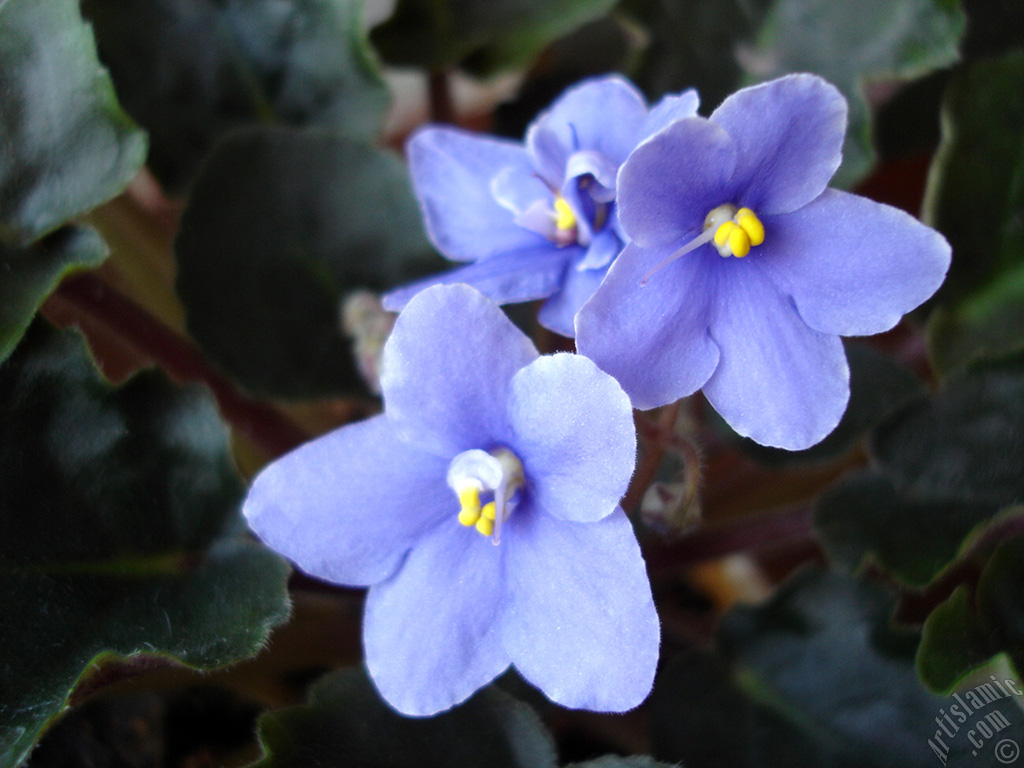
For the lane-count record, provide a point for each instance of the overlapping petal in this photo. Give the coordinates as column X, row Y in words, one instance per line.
column 572, row 428
column 347, row 506
column 854, row 266
column 432, row 633
column 581, row 628
column 604, row 115
column 789, row 136
column 452, row 173
column 672, row 181
column 778, row 381
column 653, row 338
column 671, row 108
column 532, row 273
column 558, row 313
column 447, row 369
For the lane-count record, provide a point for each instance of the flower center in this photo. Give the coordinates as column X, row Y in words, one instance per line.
column 487, row 484
column 733, row 231
column 565, row 222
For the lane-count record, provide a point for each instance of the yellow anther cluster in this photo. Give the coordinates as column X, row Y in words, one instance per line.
column 736, row 236
column 565, row 219
column 472, row 514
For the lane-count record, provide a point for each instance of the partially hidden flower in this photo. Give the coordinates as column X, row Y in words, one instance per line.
column 537, row 221
column 745, row 269
column 482, row 443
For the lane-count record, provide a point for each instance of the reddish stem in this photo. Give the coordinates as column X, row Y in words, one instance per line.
column 86, row 295
column 442, row 106
column 745, row 534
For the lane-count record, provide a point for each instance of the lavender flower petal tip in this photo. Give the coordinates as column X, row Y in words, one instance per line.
column 745, row 269
column 482, row 511
column 530, row 217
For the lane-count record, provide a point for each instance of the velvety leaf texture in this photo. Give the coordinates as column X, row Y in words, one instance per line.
column 190, row 70
column 976, row 192
column 851, row 40
column 28, row 275
column 121, row 533
column 347, row 724
column 67, row 146
column 484, row 35
column 281, row 227
column 821, row 653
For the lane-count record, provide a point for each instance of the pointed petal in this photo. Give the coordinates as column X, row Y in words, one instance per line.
column 673, row 180
column 582, row 626
column 854, row 266
column 447, row 368
column 779, row 382
column 573, row 431
column 347, row 506
column 604, row 114
column 452, row 172
column 508, row 278
column 654, row 338
column 670, row 109
column 432, row 631
column 789, row 133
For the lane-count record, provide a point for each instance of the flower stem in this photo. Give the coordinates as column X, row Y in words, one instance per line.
column 86, row 297
column 442, row 106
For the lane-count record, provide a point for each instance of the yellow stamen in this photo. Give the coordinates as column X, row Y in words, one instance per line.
column 565, row 219
column 489, row 511
column 469, row 499
column 485, row 526
column 723, row 232
column 752, row 225
column 739, row 242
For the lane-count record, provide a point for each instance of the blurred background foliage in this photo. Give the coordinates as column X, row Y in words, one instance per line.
column 212, row 192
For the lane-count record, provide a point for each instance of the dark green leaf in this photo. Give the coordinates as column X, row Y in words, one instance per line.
column 485, row 35
column 865, row 516
column 850, row 41
column 121, row 532
column 346, row 724
column 1000, row 599
column 701, row 716
column 982, row 329
column 822, row 654
column 976, row 193
column 878, row 385
column 694, row 44
column 67, row 147
column 28, row 275
column 614, row 761
column 190, row 70
column 966, row 444
column 282, row 225
column 951, row 644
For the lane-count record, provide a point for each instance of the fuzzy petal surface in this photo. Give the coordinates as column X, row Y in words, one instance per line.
column 447, row 368
column 854, row 266
column 603, row 114
column 653, row 338
column 432, row 633
column 573, row 430
column 789, row 135
column 779, row 381
column 347, row 506
column 507, row 278
column 671, row 108
column 452, row 172
column 582, row 626
column 673, row 180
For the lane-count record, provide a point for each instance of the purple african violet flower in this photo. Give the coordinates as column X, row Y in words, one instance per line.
column 537, row 452
column 538, row 221
column 760, row 334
